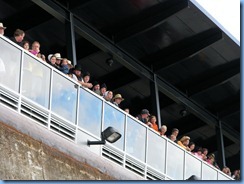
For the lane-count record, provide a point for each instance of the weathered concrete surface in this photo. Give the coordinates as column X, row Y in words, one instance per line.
column 32, row 152
column 23, row 158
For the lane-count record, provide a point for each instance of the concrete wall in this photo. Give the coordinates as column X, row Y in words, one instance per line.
column 23, row 158
column 32, row 152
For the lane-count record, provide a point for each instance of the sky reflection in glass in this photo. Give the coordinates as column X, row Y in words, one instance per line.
column 116, row 119
column 156, row 149
column 64, row 97
column 36, row 81
column 135, row 139
column 10, row 65
column 90, row 112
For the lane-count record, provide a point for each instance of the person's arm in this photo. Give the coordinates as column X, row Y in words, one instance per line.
column 86, row 85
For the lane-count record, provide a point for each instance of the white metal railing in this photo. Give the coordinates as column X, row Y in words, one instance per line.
column 35, row 89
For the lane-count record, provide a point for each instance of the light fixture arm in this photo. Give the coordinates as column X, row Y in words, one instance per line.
column 95, row 142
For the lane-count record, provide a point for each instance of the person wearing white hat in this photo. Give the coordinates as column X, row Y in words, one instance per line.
column 2, row 28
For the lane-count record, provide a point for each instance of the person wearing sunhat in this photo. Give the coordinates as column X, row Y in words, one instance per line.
column 2, row 28
column 184, row 142
column 143, row 116
column 117, row 99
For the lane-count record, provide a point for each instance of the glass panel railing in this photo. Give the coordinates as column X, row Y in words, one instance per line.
column 192, row 166
column 136, row 139
column 223, row 177
column 36, row 86
column 175, row 162
column 90, row 112
column 208, row 173
column 64, row 97
column 36, row 81
column 116, row 119
column 156, row 149
column 10, row 62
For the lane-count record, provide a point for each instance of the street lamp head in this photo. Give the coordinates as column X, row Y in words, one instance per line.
column 110, row 134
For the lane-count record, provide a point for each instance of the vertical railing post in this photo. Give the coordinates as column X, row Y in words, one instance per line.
column 20, row 80
column 166, row 154
column 125, row 139
column 146, row 151
column 102, row 123
column 50, row 99
column 77, row 112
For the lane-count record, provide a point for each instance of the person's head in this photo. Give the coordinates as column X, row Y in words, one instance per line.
column 108, row 95
column 145, row 113
column 211, row 158
column 19, row 35
column 58, row 58
column 191, row 146
column 96, row 86
column 127, row 110
column 36, row 46
column 26, row 45
column 52, row 59
column 172, row 137
column 2, row 28
column 175, row 132
column 163, row 129
column 152, row 119
column 226, row 170
column 86, row 77
column 185, row 140
column 118, row 98
column 103, row 88
column 205, row 151
column 199, row 150
column 77, row 71
column 64, row 62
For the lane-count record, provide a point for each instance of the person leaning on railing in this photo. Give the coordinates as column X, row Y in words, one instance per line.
column 152, row 123
column 184, row 142
column 163, row 130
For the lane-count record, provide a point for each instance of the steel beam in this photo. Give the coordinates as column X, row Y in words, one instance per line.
column 215, row 77
column 230, row 68
column 148, row 19
column 128, row 77
column 183, row 49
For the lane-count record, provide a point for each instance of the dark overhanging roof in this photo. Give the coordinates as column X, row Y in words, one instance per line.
column 207, row 37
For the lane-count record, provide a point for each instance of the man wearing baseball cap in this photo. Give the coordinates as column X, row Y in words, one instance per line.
column 143, row 117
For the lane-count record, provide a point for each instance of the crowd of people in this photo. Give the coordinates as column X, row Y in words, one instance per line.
column 83, row 77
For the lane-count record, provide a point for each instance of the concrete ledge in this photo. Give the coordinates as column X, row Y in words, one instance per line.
column 28, row 127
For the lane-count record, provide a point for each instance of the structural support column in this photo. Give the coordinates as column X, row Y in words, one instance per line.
column 70, row 39
column 220, row 145
column 155, row 100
